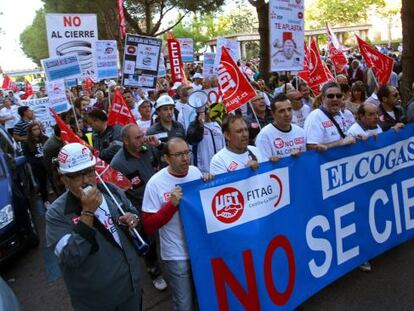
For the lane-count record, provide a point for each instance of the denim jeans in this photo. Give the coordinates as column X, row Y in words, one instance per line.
column 180, row 280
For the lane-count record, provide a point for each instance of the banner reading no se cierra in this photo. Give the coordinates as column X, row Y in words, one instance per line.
column 268, row 240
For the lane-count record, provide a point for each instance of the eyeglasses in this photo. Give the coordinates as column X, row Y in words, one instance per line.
column 78, row 176
column 182, row 154
column 337, row 95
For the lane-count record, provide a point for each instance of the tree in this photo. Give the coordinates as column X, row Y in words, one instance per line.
column 142, row 17
column 33, row 39
column 338, row 12
column 407, row 18
column 262, row 9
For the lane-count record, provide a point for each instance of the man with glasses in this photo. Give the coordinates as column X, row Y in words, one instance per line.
column 91, row 238
column 160, row 212
column 299, row 110
column 390, row 114
column 324, row 127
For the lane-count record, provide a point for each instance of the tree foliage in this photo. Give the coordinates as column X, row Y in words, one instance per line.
column 338, row 12
column 33, row 39
column 142, row 17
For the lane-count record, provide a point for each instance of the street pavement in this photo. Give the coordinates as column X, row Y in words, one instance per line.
column 36, row 281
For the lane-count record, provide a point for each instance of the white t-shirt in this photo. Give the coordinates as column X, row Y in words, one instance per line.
column 348, row 119
column 144, row 125
column 273, row 142
column 205, row 148
column 135, row 112
column 356, row 130
column 4, row 113
column 157, row 193
column 319, row 129
column 226, row 161
column 299, row 116
column 196, row 87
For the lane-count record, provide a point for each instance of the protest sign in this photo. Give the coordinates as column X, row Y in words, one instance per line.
column 141, row 60
column 233, row 48
column 161, row 68
column 187, row 49
column 73, row 33
column 106, row 58
column 40, row 108
column 57, row 96
column 61, row 67
column 208, row 65
column 287, row 33
column 269, row 239
column 176, row 63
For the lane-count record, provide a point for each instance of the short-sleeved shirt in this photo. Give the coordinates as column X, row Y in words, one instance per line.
column 227, row 161
column 20, row 128
column 272, row 141
column 319, row 129
column 157, row 194
column 299, row 116
column 356, row 130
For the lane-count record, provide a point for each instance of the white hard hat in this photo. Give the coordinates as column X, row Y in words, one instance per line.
column 75, row 157
column 164, row 100
column 198, row 76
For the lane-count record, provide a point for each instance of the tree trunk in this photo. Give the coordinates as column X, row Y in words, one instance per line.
column 407, row 19
column 263, row 17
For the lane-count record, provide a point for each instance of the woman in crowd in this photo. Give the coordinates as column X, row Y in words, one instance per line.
column 358, row 96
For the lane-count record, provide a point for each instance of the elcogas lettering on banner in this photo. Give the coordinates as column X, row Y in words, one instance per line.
column 271, row 238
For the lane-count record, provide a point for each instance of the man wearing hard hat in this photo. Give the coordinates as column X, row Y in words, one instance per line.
column 87, row 233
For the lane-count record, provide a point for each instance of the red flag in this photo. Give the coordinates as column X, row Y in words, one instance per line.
column 176, row 64
column 107, row 173
column 88, row 84
column 318, row 74
column 380, row 64
column 119, row 112
column 8, row 84
column 234, row 87
column 335, row 52
column 121, row 19
column 28, row 90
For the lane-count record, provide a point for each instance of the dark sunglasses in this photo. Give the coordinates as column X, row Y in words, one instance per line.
column 337, row 95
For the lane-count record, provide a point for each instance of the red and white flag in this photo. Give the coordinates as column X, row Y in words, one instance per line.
column 88, row 84
column 8, row 84
column 107, row 173
column 380, row 64
column 176, row 64
column 119, row 112
column 335, row 52
column 318, row 72
column 28, row 90
column 234, row 87
column 121, row 18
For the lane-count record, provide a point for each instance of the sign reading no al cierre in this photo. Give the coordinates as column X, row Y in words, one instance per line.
column 270, row 239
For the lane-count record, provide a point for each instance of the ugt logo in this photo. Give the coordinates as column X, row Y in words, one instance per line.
column 228, row 205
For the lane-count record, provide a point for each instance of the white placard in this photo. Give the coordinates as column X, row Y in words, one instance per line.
column 234, row 49
column 40, row 108
column 208, row 65
column 73, row 33
column 187, row 49
column 57, row 96
column 287, row 33
column 106, row 59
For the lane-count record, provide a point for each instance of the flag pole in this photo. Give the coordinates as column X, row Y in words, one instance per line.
column 141, row 244
column 255, row 115
column 74, row 112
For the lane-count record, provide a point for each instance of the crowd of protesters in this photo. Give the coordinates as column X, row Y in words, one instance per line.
column 172, row 142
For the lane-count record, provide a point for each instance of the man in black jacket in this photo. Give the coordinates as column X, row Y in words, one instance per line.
column 390, row 115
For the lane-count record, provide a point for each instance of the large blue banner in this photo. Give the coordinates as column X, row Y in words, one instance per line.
column 269, row 239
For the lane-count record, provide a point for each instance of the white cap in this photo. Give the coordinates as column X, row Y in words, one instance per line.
column 164, row 100
column 75, row 157
column 141, row 101
column 198, row 76
column 176, row 85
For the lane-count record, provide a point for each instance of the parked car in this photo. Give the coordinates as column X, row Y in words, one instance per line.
column 17, row 228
